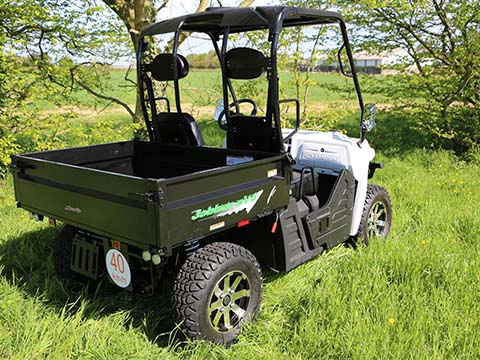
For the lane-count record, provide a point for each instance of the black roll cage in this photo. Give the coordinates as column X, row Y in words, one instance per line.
column 220, row 22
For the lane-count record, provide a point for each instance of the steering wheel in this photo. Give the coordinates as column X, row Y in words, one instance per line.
column 222, row 119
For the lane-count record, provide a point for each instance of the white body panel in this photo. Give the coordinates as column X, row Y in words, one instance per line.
column 330, row 152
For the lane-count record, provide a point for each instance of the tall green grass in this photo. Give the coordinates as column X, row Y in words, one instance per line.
column 414, row 296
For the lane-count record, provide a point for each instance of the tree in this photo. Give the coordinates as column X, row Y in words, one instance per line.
column 48, row 51
column 442, row 40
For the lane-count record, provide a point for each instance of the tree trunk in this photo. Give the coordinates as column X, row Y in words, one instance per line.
column 135, row 14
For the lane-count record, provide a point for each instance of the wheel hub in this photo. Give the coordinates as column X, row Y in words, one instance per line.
column 229, row 301
column 377, row 219
column 226, row 300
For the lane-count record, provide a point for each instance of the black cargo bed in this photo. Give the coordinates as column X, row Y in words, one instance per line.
column 145, row 193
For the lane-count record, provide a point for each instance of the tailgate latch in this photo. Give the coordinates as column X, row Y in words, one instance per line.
column 154, row 197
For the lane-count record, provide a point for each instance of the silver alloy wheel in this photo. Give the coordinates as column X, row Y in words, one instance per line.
column 377, row 219
column 229, row 301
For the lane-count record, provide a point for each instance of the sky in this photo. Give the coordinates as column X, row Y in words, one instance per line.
column 177, row 8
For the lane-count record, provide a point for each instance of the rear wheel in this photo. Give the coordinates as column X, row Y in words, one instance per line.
column 62, row 252
column 377, row 214
column 217, row 290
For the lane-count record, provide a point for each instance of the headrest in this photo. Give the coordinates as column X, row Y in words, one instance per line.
column 161, row 67
column 245, row 63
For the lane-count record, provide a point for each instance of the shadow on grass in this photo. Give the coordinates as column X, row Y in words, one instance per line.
column 394, row 135
column 27, row 264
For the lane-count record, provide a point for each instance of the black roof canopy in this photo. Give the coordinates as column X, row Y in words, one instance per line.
column 214, row 20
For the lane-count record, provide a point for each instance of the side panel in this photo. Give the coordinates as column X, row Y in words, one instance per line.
column 305, row 233
column 330, row 225
column 291, row 246
column 211, row 201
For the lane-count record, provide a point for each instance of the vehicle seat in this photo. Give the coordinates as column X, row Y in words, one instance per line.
column 172, row 127
column 248, row 132
column 309, row 185
column 171, row 131
column 304, row 188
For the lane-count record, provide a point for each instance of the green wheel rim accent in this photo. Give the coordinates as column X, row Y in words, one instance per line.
column 229, row 301
column 377, row 220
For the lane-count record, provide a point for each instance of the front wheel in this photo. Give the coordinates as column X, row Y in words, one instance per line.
column 218, row 289
column 376, row 215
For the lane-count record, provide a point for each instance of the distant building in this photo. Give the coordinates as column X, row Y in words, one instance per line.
column 364, row 63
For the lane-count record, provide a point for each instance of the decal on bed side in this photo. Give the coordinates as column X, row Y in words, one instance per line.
column 232, row 207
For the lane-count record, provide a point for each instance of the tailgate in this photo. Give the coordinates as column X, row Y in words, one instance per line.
column 108, row 204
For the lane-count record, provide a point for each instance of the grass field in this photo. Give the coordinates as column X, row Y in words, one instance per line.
column 413, row 296
column 203, row 87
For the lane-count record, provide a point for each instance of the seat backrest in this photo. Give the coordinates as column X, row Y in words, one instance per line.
column 193, row 130
column 170, row 124
column 170, row 128
column 245, row 63
column 304, row 185
column 250, row 133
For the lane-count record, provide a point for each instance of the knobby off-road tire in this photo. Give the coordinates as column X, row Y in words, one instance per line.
column 377, row 214
column 218, row 288
column 62, row 252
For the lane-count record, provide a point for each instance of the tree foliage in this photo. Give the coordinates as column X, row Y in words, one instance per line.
column 442, row 69
column 206, row 60
column 49, row 50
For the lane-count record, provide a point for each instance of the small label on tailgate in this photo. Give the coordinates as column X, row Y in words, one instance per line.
column 75, row 210
column 271, row 173
column 217, row 226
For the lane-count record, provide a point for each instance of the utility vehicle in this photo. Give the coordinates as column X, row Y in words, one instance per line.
column 136, row 210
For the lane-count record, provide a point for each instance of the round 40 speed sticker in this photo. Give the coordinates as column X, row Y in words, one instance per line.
column 118, row 268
